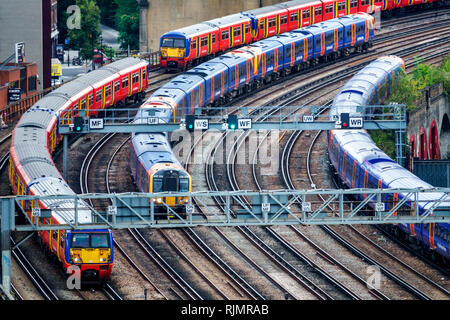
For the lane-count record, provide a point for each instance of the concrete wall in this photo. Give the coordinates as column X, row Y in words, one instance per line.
column 21, row 20
column 160, row 16
column 434, row 111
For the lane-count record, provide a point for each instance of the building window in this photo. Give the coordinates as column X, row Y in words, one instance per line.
column 32, row 83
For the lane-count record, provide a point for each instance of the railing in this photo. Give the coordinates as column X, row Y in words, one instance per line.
column 13, row 111
column 270, row 207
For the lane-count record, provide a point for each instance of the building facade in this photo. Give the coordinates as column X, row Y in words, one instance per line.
column 34, row 23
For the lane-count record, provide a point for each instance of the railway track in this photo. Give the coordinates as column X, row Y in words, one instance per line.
column 388, row 259
column 162, row 80
column 230, row 173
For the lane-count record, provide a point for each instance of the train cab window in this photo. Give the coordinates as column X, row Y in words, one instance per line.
column 184, row 185
column 173, row 43
column 157, row 184
column 99, row 241
column 294, row 16
column 225, row 35
column 93, row 240
column 125, row 82
column 284, row 19
column 204, row 41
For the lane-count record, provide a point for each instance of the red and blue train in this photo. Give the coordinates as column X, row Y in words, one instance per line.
column 191, row 45
column 33, row 172
column 223, row 78
column 359, row 163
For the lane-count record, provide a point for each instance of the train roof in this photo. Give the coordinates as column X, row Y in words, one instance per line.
column 37, row 117
column 190, row 31
column 153, row 148
column 264, row 10
column 121, row 64
column 228, row 20
column 350, row 19
column 62, row 209
column 297, row 3
column 30, row 134
column 289, row 37
column 185, row 82
column 230, row 59
column 208, row 69
column 318, row 28
column 168, row 96
column 51, row 101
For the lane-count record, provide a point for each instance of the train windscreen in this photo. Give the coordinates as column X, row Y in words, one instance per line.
column 90, row 240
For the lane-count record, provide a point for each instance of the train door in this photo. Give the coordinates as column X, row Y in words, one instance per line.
column 322, row 43
column 344, row 159
column 354, row 174
column 411, row 226
column 130, row 84
column 366, row 177
column 263, row 71
column 394, row 203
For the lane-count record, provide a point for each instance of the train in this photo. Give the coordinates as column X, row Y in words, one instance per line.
column 359, row 163
column 182, row 48
column 222, row 79
column 33, row 172
column 154, row 167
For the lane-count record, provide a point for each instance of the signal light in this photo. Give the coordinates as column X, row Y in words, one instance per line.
column 190, row 122
column 232, row 122
column 78, row 124
column 345, row 120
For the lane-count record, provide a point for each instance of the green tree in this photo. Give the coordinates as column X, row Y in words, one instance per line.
column 127, row 22
column 62, row 18
column 87, row 37
column 107, row 12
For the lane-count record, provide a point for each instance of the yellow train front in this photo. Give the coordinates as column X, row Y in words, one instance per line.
column 155, row 169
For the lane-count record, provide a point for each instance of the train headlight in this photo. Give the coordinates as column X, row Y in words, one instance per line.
column 164, row 53
column 158, row 200
column 186, row 200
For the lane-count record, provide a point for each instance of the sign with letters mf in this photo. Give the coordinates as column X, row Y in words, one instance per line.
column 95, row 123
